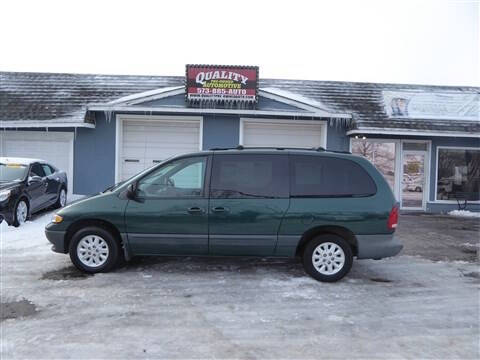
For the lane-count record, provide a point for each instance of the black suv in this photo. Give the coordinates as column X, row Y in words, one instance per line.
column 27, row 186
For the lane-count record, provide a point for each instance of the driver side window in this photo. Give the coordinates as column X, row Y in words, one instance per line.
column 177, row 179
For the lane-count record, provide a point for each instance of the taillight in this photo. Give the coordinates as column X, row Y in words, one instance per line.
column 393, row 218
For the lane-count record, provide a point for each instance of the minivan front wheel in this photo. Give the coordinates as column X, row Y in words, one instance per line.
column 327, row 258
column 93, row 250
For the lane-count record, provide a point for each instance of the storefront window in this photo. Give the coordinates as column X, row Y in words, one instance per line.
column 381, row 154
column 458, row 174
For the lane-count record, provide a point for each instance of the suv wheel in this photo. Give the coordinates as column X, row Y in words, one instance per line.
column 21, row 213
column 62, row 199
column 93, row 250
column 327, row 258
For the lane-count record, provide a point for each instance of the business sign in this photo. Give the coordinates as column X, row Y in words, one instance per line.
column 452, row 105
column 229, row 84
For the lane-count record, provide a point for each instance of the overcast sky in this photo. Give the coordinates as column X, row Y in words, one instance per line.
column 421, row 41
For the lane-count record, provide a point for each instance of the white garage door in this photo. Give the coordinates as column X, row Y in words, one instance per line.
column 54, row 147
column 150, row 141
column 277, row 133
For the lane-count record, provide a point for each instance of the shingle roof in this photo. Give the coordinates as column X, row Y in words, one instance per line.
column 49, row 96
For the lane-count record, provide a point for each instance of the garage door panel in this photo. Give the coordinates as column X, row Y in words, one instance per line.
column 53, row 147
column 292, row 134
column 153, row 141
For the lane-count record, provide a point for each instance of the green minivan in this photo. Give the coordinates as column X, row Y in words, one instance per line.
column 325, row 207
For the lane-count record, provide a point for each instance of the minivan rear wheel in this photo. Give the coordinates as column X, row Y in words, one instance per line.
column 327, row 258
column 93, row 250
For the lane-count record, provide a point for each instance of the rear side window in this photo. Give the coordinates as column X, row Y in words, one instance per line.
column 317, row 176
column 249, row 176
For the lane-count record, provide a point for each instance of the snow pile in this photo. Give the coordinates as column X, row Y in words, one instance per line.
column 464, row 213
column 29, row 234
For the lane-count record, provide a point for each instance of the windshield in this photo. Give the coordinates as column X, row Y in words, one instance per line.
column 12, row 172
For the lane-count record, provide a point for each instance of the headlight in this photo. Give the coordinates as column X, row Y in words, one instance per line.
column 4, row 195
column 57, row 219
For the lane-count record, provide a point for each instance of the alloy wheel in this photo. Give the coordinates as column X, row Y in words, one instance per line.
column 92, row 251
column 22, row 212
column 328, row 258
column 63, row 198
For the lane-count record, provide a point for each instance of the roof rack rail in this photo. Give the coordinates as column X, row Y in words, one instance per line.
column 241, row 147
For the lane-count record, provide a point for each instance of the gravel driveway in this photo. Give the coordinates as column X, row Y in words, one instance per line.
column 422, row 304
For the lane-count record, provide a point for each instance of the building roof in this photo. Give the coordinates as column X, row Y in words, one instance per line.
column 63, row 98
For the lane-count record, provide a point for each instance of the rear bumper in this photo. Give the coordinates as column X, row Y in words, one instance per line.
column 57, row 238
column 378, row 246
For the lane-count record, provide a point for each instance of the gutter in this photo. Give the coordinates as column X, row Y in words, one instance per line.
column 198, row 111
column 43, row 124
column 387, row 131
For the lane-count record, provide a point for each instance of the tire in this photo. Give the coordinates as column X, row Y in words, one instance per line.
column 327, row 270
column 97, row 242
column 62, row 198
column 19, row 215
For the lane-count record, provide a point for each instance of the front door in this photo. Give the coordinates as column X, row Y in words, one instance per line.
column 37, row 189
column 413, row 180
column 170, row 213
column 248, row 199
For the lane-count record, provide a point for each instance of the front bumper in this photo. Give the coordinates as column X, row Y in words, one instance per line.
column 7, row 213
column 57, row 238
column 378, row 246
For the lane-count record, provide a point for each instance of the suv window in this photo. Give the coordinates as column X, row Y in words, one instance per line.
column 37, row 170
column 328, row 177
column 179, row 178
column 249, row 176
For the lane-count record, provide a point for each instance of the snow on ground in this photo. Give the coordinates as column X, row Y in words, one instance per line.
column 186, row 307
column 464, row 213
column 23, row 236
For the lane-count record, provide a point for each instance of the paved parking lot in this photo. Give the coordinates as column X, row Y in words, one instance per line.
column 422, row 304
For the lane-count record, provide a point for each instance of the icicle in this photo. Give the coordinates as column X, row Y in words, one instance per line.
column 108, row 115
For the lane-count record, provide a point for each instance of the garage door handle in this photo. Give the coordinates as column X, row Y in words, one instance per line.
column 132, row 160
column 219, row 209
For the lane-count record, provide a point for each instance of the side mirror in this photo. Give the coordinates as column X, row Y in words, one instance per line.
column 34, row 179
column 131, row 192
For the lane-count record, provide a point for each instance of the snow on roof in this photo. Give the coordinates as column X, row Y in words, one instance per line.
column 144, row 94
column 56, row 97
column 296, row 97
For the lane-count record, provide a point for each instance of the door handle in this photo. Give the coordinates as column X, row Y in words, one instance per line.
column 219, row 209
column 195, row 210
